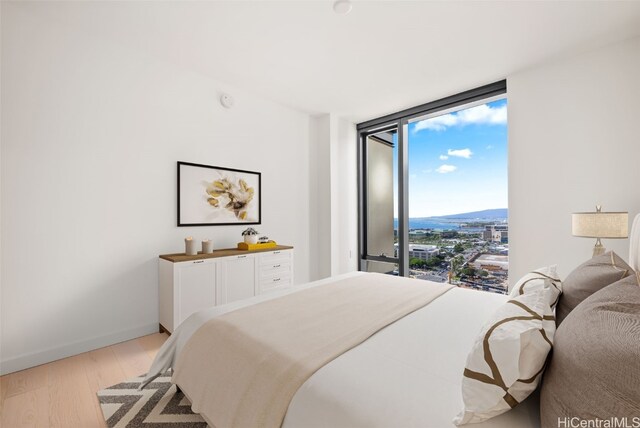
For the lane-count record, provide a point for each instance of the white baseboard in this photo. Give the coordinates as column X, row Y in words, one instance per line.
column 37, row 358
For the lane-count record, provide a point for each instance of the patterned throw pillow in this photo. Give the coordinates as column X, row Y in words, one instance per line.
column 507, row 359
column 544, row 278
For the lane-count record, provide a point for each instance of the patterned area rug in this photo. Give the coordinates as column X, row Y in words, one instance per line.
column 156, row 406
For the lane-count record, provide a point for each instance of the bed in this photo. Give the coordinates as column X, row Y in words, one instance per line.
column 408, row 374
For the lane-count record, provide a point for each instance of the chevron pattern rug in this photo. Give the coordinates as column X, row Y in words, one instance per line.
column 156, row 406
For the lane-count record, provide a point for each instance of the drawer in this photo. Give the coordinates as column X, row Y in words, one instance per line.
column 274, row 274
column 275, row 282
column 275, row 267
column 275, row 257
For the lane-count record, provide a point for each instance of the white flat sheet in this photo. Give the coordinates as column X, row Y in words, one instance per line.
column 407, row 375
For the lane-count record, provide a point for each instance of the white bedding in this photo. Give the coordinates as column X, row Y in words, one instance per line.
column 407, row 375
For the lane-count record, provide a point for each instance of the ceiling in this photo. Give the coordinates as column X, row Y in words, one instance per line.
column 382, row 57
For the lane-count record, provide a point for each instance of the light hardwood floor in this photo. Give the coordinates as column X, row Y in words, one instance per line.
column 63, row 393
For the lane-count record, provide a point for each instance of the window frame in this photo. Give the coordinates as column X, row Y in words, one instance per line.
column 400, row 121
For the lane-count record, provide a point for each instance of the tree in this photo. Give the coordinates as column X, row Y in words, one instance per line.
column 455, row 264
column 469, row 271
column 433, row 262
column 458, row 248
column 415, row 262
column 483, row 273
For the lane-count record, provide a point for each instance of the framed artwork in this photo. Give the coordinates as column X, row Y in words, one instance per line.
column 216, row 196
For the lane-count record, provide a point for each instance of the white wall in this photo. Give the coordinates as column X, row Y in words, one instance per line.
column 334, row 190
column 345, row 250
column 573, row 142
column 91, row 133
column 320, row 191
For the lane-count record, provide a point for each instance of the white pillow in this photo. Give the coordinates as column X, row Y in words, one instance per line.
column 544, row 278
column 508, row 357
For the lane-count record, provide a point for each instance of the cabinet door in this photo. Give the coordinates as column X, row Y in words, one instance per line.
column 238, row 278
column 196, row 287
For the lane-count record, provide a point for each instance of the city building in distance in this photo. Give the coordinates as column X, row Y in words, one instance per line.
column 496, row 233
column 469, row 251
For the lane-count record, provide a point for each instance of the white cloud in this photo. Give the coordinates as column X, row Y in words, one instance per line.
column 444, row 157
column 438, row 123
column 482, row 114
column 461, row 153
column 444, row 169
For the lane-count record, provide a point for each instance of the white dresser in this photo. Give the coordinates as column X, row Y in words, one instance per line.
column 188, row 284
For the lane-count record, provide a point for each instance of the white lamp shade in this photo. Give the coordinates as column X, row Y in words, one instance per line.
column 600, row 224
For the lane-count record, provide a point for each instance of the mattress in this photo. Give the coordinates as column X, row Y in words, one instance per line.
column 407, row 375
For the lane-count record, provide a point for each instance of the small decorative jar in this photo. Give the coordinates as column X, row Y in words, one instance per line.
column 190, row 246
column 207, row 246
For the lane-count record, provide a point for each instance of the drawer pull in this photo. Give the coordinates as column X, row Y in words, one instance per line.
column 276, row 266
column 198, row 261
column 242, row 257
column 276, row 252
column 276, row 279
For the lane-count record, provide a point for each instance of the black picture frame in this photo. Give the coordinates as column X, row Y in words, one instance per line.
column 191, row 211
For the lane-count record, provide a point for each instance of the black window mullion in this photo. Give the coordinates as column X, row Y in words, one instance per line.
column 487, row 91
column 403, row 199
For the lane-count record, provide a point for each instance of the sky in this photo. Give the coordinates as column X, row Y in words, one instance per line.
column 458, row 161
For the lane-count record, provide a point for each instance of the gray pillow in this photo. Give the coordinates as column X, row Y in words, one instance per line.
column 589, row 277
column 594, row 372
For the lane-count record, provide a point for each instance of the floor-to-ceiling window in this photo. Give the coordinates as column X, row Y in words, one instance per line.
column 433, row 191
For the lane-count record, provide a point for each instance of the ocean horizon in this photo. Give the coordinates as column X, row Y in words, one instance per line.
column 440, row 224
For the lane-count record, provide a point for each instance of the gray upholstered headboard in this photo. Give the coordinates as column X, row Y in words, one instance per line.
column 634, row 244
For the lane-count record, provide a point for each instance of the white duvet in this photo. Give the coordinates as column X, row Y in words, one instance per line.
column 407, row 375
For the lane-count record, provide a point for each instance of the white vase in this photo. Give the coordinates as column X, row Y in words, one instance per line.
column 251, row 239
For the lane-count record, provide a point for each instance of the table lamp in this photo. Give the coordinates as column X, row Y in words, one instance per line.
column 600, row 224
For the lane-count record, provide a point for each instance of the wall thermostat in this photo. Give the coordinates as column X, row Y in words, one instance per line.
column 226, row 100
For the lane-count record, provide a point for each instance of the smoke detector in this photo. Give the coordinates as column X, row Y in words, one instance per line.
column 226, row 100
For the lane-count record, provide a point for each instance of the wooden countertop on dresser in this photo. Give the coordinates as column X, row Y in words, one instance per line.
column 182, row 257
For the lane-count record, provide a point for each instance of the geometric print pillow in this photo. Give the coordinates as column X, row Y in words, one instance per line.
column 544, row 278
column 506, row 361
